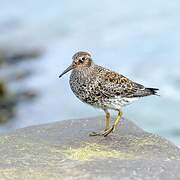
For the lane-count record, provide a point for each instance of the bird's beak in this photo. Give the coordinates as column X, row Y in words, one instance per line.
column 67, row 70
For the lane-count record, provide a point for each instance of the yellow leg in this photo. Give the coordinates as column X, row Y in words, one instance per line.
column 107, row 121
column 107, row 126
column 118, row 119
column 114, row 126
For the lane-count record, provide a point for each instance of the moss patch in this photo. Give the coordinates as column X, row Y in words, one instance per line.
column 35, row 174
column 147, row 141
column 94, row 151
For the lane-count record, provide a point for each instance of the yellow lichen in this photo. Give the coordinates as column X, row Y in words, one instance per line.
column 146, row 141
column 94, row 151
column 35, row 174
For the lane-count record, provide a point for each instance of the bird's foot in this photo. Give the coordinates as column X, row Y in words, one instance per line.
column 102, row 133
column 96, row 133
column 108, row 131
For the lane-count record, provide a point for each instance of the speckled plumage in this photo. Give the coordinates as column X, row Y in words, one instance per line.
column 101, row 87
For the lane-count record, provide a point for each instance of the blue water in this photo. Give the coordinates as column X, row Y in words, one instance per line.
column 140, row 39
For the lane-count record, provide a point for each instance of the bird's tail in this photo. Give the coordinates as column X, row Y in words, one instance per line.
column 153, row 91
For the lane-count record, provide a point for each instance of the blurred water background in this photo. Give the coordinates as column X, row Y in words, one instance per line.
column 140, row 39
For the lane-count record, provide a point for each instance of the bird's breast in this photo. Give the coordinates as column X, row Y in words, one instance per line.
column 83, row 86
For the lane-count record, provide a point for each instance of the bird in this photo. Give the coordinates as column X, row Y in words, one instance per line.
column 103, row 88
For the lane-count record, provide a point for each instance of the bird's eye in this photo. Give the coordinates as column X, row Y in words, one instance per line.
column 80, row 61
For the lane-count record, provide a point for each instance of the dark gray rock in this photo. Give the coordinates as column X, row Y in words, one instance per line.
column 63, row 150
column 10, row 55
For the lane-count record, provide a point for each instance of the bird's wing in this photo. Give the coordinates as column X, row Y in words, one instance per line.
column 113, row 84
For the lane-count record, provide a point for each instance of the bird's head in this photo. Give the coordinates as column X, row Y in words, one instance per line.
column 81, row 60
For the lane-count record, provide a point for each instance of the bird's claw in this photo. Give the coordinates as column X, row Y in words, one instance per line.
column 105, row 133
column 96, row 134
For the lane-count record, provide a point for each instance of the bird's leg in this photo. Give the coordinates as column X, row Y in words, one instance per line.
column 107, row 126
column 107, row 120
column 118, row 118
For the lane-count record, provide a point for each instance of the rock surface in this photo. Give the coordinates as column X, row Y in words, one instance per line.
column 63, row 150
